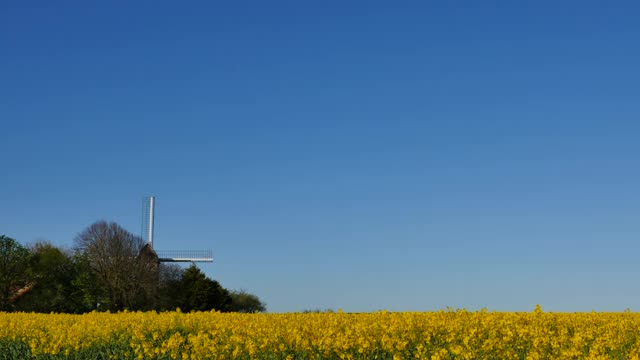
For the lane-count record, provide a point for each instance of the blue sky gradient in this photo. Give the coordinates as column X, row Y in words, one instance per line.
column 363, row 156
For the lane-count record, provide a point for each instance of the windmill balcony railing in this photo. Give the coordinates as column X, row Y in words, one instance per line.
column 185, row 255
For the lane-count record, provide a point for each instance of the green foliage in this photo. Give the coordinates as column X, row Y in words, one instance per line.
column 169, row 290
column 192, row 290
column 109, row 271
column 86, row 292
column 14, row 350
column 318, row 311
column 199, row 293
column 51, row 273
column 14, row 276
column 244, row 302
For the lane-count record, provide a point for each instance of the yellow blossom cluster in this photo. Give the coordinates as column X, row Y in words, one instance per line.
column 381, row 335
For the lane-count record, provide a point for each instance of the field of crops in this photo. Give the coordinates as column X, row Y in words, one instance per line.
column 381, row 335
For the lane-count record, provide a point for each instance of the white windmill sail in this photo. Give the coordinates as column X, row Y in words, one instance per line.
column 148, row 209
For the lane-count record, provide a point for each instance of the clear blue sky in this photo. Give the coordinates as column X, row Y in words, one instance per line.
column 355, row 155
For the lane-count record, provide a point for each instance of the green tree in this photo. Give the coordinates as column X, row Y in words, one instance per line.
column 87, row 293
column 199, row 293
column 244, row 302
column 51, row 273
column 169, row 287
column 14, row 277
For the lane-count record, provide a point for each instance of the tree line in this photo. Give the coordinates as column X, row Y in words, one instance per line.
column 109, row 269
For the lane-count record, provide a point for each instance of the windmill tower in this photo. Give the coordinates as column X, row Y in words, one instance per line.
column 148, row 209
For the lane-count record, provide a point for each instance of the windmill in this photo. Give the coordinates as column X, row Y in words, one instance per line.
column 193, row 256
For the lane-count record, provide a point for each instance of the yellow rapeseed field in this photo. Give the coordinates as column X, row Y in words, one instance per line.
column 382, row 335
